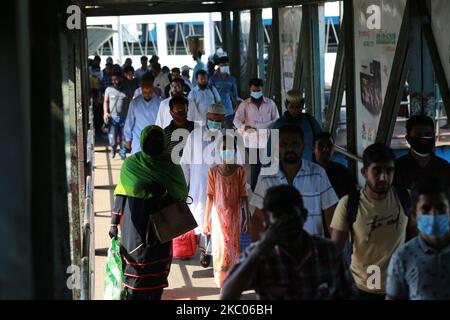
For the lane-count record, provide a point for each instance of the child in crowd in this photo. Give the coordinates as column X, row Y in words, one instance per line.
column 227, row 190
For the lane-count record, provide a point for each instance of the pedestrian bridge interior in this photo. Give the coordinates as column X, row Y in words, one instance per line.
column 59, row 178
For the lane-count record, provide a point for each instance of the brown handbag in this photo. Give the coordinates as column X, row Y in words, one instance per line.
column 171, row 221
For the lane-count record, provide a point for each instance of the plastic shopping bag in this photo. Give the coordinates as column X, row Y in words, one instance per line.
column 114, row 289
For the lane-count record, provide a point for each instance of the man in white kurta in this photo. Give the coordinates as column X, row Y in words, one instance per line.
column 199, row 154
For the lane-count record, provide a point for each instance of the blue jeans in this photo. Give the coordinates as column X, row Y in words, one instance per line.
column 116, row 130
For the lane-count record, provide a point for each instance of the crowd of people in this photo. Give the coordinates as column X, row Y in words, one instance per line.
column 315, row 234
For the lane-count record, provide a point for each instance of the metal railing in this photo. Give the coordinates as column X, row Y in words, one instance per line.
column 88, row 244
column 347, row 154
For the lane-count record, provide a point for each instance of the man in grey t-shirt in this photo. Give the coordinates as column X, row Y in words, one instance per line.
column 115, row 109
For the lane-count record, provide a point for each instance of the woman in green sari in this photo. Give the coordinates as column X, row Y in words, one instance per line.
column 149, row 180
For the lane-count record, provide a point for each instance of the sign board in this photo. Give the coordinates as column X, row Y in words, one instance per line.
column 376, row 30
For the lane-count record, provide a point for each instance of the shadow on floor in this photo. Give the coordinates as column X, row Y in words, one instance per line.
column 102, row 252
column 108, row 187
column 206, row 273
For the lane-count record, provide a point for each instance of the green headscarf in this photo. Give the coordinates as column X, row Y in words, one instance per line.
column 140, row 169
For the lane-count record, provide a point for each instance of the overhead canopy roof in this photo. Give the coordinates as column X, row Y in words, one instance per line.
column 141, row 7
column 97, row 36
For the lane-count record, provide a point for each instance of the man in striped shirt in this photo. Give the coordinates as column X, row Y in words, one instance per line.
column 307, row 177
column 178, row 110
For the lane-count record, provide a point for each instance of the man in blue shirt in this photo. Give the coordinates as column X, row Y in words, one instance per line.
column 199, row 66
column 141, row 113
column 420, row 269
column 226, row 85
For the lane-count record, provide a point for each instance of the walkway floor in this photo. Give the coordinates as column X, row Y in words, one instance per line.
column 187, row 279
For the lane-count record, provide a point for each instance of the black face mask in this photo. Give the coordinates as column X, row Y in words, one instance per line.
column 422, row 145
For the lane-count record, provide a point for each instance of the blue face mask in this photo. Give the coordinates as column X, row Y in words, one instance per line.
column 256, row 94
column 214, row 125
column 225, row 69
column 435, row 226
column 227, row 156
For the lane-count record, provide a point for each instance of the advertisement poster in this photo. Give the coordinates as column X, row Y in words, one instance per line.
column 377, row 25
column 290, row 23
column 440, row 21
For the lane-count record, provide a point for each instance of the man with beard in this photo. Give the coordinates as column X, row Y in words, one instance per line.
column 380, row 225
column 202, row 95
column 253, row 118
column 288, row 263
column 307, row 177
column 164, row 116
column 420, row 161
column 142, row 113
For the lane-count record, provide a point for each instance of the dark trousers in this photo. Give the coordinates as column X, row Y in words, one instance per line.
column 144, row 295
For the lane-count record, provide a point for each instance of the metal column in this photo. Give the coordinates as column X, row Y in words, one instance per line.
column 337, row 86
column 350, row 97
column 226, row 32
column 396, row 82
column 260, row 44
column 251, row 70
column 420, row 74
column 235, row 58
column 276, row 63
column 314, row 66
column 435, row 58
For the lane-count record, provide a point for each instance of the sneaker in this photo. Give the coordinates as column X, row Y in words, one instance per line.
column 123, row 157
column 112, row 153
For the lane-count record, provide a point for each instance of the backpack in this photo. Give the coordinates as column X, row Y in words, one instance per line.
column 353, row 204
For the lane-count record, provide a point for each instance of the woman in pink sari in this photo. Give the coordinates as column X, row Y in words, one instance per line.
column 227, row 190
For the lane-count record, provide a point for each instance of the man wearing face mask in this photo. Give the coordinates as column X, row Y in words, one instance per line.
column 307, row 177
column 198, row 157
column 226, row 85
column 253, row 118
column 420, row 160
column 284, row 264
column 420, row 270
column 164, row 116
